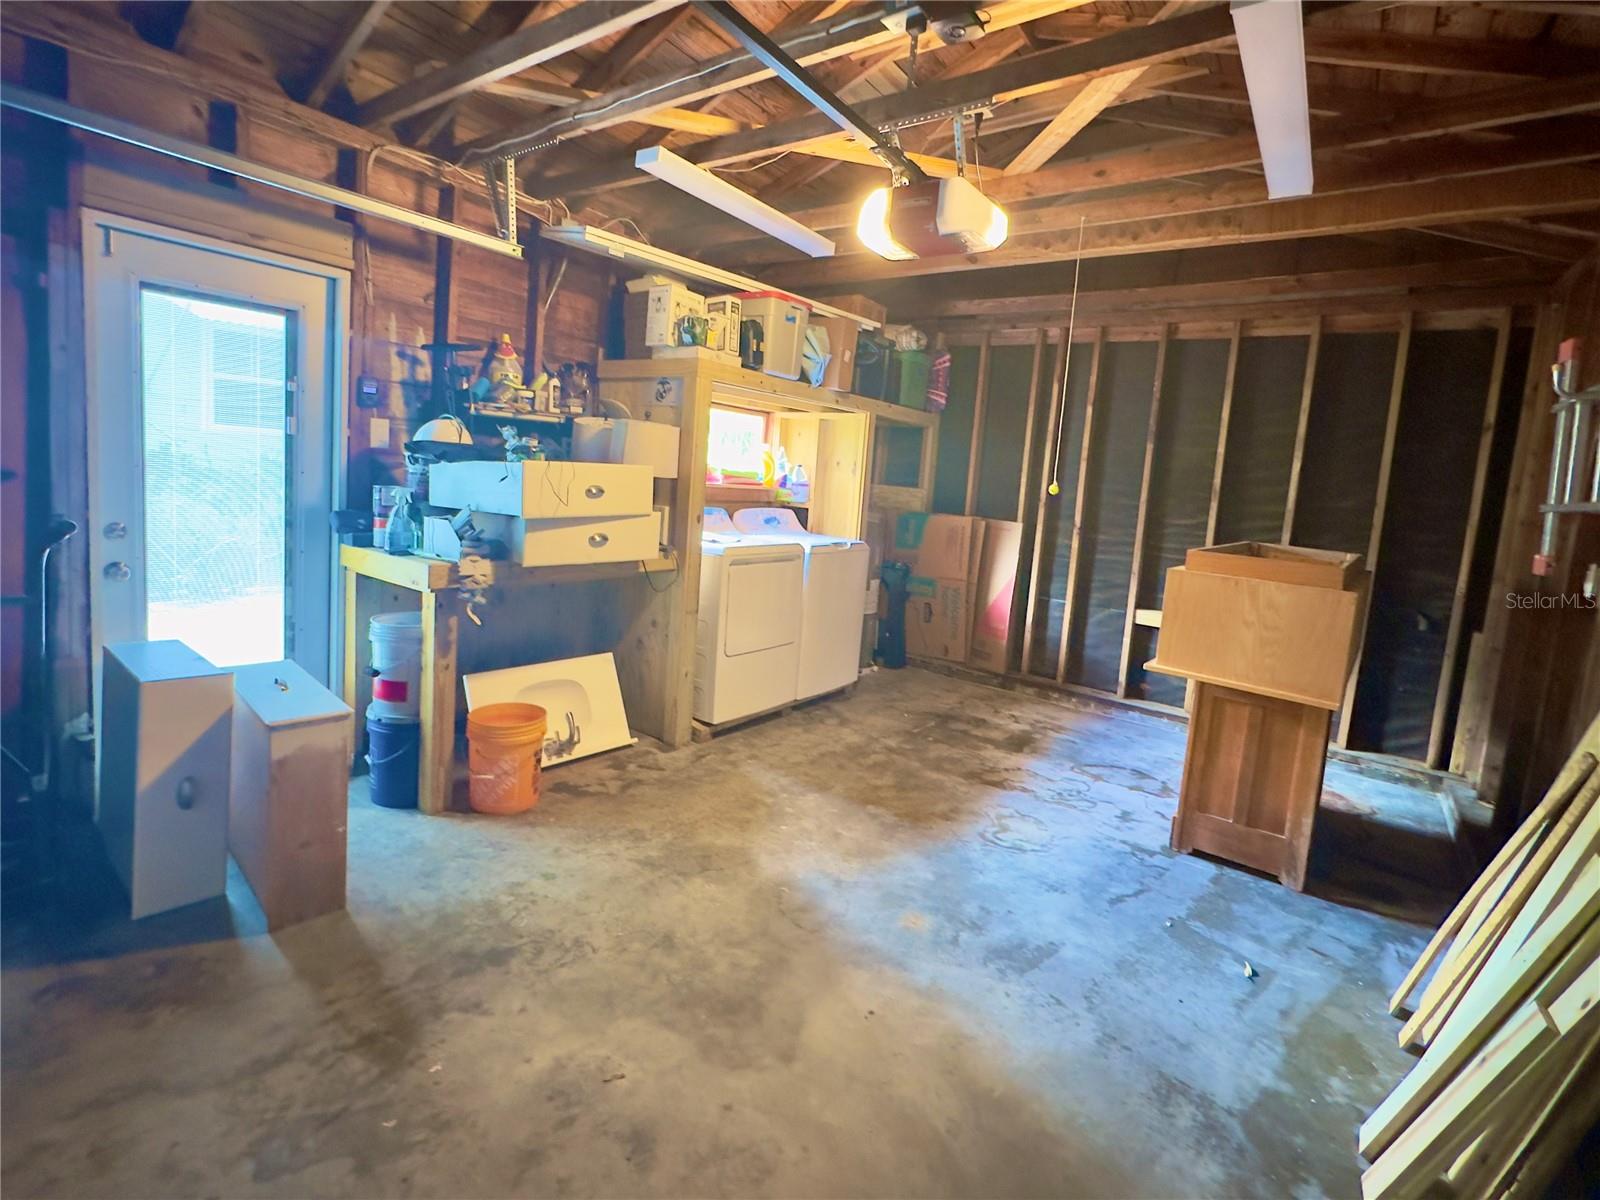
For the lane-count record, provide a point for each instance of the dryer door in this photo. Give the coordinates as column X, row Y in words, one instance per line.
column 763, row 598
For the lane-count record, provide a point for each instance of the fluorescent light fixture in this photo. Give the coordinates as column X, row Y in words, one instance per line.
column 719, row 193
column 1272, row 48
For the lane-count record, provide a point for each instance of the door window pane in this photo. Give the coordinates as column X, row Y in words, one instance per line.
column 215, row 377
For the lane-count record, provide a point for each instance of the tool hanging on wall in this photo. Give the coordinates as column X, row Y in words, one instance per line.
column 1066, row 369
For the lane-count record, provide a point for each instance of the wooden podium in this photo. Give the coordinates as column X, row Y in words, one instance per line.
column 1268, row 635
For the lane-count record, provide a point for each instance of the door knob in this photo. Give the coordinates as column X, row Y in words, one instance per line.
column 115, row 530
column 116, row 570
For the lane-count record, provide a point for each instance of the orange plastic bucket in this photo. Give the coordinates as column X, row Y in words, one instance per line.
column 504, row 743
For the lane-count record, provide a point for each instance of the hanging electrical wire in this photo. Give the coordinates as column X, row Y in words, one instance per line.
column 1066, row 368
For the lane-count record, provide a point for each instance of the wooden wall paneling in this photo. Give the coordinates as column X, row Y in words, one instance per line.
column 1055, row 417
column 1185, row 467
column 1127, row 373
column 1261, row 429
column 1380, row 507
column 1070, row 607
column 1222, row 433
column 1135, row 565
column 1299, row 454
column 1452, row 644
column 1430, row 491
column 1480, row 742
column 975, row 451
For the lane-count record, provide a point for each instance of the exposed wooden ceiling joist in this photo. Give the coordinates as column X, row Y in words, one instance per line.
column 528, row 47
column 638, row 44
column 1152, row 164
column 1561, row 143
column 1443, row 55
column 1504, row 235
column 1240, row 287
column 363, row 19
column 853, row 31
column 1058, row 67
column 1438, row 202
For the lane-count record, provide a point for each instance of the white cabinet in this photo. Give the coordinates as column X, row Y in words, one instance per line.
column 166, row 722
column 288, row 805
column 543, row 490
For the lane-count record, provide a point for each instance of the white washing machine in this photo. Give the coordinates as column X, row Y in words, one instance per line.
column 747, row 643
column 835, row 597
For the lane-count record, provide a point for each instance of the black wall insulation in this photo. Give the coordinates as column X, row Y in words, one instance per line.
column 955, row 433
column 1344, row 441
column 1005, row 423
column 1056, row 543
column 1180, row 490
column 1261, row 429
column 1122, row 414
column 1430, row 486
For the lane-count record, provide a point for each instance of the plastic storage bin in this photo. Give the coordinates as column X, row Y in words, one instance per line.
column 912, row 389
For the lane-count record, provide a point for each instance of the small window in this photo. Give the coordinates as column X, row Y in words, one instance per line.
column 737, row 446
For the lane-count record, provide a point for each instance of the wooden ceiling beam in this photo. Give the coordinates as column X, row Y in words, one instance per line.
column 1505, row 235
column 1092, row 99
column 856, row 29
column 528, row 47
column 363, row 19
column 1437, row 202
column 1449, row 273
column 638, row 44
column 1020, row 77
column 549, row 91
column 1157, row 163
column 1555, row 143
column 1444, row 55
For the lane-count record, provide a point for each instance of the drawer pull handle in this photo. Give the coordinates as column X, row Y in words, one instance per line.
column 594, row 491
column 599, row 539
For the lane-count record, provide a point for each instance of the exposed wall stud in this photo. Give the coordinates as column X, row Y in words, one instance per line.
column 1458, row 602
column 1069, row 609
column 1295, row 463
column 1054, row 422
column 980, row 397
column 1222, row 432
column 1379, row 507
column 1137, row 566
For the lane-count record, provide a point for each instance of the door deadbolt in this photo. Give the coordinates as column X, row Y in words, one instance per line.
column 117, row 571
column 115, row 530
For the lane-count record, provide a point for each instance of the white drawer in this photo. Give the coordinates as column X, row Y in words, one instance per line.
column 544, row 490
column 569, row 542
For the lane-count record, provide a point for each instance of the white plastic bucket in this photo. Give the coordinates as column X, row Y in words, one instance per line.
column 396, row 666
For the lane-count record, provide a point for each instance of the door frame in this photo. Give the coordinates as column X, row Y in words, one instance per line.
column 97, row 225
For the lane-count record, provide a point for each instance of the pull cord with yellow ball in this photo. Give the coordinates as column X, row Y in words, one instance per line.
column 1066, row 369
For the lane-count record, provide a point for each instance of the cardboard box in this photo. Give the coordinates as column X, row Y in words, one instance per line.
column 840, row 373
column 857, row 303
column 996, row 586
column 944, row 552
column 723, row 316
column 650, row 316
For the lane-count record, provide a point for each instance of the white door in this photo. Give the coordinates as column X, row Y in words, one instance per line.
column 213, row 443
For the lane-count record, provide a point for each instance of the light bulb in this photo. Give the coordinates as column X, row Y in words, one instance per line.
column 872, row 227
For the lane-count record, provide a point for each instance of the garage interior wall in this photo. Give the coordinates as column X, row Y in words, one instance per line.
column 1264, row 438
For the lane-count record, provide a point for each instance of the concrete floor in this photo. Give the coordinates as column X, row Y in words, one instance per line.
column 925, row 941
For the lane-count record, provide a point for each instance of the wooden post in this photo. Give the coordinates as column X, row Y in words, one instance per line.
column 443, row 272
column 1458, row 602
column 1055, row 423
column 1481, row 746
column 1078, row 501
column 1022, row 598
column 441, row 623
column 975, row 451
column 1222, row 432
column 1144, row 507
column 1380, row 505
column 1312, row 353
column 534, row 251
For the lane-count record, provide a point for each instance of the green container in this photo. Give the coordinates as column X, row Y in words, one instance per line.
column 912, row 390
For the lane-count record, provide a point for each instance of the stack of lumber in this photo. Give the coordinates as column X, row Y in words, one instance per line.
column 1509, row 1023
